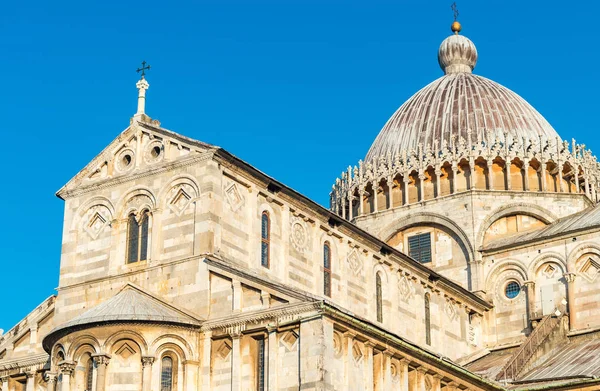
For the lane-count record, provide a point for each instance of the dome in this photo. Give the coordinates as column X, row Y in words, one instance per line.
column 459, row 104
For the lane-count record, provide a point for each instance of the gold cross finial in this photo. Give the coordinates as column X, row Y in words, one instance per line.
column 143, row 69
column 456, row 27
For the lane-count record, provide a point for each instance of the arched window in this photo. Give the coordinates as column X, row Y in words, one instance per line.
column 427, row 320
column 378, row 294
column 89, row 374
column 327, row 269
column 137, row 237
column 265, row 241
column 166, row 374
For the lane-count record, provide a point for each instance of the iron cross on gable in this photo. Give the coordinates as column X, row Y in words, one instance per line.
column 143, row 69
column 455, row 9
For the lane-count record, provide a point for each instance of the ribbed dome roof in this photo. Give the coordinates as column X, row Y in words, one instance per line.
column 457, row 104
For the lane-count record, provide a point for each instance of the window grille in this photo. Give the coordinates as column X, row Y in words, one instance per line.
column 260, row 367
column 89, row 374
column 265, row 240
column 427, row 320
column 327, row 269
column 166, row 374
column 378, row 294
column 419, row 247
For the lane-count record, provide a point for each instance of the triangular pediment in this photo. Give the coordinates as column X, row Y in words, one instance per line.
column 141, row 147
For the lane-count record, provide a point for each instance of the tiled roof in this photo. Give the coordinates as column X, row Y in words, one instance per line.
column 588, row 218
column 575, row 359
column 133, row 305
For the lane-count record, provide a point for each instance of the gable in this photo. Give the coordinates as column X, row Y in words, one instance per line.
column 140, row 148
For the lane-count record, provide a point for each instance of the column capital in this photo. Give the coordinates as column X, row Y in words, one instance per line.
column 570, row 277
column 147, row 361
column 349, row 334
column 529, row 283
column 101, row 358
column 4, row 379
column 208, row 334
column 51, row 377
column 30, row 374
column 66, row 367
column 421, row 369
column 271, row 328
column 191, row 362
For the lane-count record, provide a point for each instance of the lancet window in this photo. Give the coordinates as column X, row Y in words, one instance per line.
column 327, row 269
column 378, row 297
column 137, row 237
column 265, row 242
column 166, row 374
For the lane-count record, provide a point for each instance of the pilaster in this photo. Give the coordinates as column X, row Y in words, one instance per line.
column 147, row 362
column 101, row 361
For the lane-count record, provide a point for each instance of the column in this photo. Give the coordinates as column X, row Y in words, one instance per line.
column 587, row 185
column 542, row 171
column 147, row 362
column 206, row 353
column 526, row 175
column 30, row 385
column 576, row 171
column 438, row 182
column 437, row 382
column 237, row 296
column 405, row 180
column 387, row 370
column 390, row 184
column 570, row 277
column 507, row 165
column 350, row 211
column 530, row 290
column 101, row 360
column 272, row 357
column 236, row 361
column 5, row 383
column 403, row 374
column 369, row 380
column 50, row 381
column 421, row 186
column 348, row 360
column 361, row 200
column 375, row 196
column 454, row 175
column 452, row 386
column 420, row 379
column 490, row 174
column 190, row 369
column 66, row 369
column 560, row 177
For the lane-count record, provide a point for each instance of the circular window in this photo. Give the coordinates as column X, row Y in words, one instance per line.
column 155, row 152
column 126, row 160
column 512, row 289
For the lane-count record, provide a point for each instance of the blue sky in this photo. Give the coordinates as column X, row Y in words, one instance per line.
column 298, row 88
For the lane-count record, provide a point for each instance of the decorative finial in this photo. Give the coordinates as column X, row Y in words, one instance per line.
column 145, row 68
column 142, row 85
column 456, row 27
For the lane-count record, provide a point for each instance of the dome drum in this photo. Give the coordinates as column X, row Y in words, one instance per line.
column 419, row 175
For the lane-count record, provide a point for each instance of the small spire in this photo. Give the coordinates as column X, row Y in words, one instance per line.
column 142, row 85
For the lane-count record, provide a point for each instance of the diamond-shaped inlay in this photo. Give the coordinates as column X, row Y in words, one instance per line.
column 357, row 353
column 450, row 310
column 97, row 218
column 405, row 288
column 590, row 270
column 125, row 351
column 180, row 202
column 355, row 262
column 289, row 340
column 234, row 197
column 224, row 349
column 549, row 271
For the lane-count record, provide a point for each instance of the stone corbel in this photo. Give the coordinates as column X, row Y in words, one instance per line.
column 570, row 277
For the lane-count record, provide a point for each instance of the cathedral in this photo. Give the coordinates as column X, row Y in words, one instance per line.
column 462, row 253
